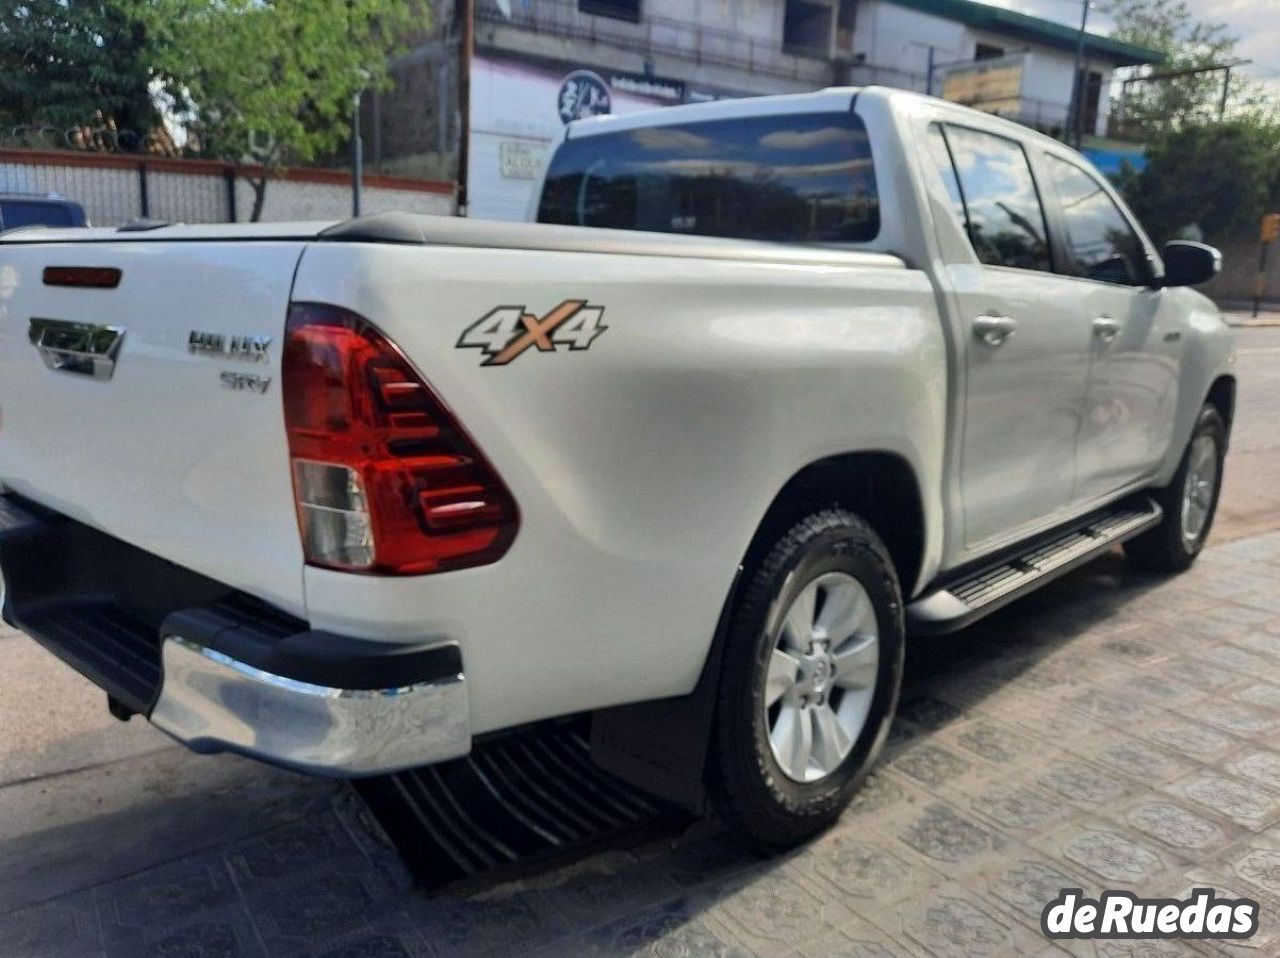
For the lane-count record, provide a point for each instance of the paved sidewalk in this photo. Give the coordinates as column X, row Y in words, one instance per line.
column 1268, row 315
column 1110, row 732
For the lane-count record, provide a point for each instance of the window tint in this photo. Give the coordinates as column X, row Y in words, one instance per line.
column 1002, row 210
column 1101, row 241
column 17, row 213
column 797, row 178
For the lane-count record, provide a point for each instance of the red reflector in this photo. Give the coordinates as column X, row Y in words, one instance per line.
column 386, row 479
column 88, row 277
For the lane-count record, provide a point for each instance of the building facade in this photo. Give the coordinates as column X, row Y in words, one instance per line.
column 990, row 58
column 537, row 64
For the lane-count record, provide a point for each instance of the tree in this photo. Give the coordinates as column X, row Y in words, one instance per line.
column 1188, row 44
column 76, row 63
column 1219, row 176
column 273, row 81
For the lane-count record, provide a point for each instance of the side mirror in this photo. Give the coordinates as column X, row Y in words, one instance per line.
column 1189, row 264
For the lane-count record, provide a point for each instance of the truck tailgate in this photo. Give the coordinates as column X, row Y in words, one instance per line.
column 158, row 448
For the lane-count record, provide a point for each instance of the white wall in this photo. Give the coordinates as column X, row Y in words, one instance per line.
column 515, row 103
column 292, row 200
column 891, row 36
column 756, row 18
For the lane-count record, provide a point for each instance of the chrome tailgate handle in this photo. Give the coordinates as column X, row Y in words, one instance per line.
column 994, row 330
column 85, row 349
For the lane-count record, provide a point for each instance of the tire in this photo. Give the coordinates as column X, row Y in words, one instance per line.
column 1171, row 546
column 834, row 557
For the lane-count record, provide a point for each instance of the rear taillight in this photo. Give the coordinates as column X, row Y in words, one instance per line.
column 385, row 478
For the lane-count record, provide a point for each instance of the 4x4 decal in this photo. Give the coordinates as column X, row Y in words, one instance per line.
column 505, row 332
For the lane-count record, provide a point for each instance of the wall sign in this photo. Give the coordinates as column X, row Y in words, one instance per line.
column 583, row 94
column 521, row 161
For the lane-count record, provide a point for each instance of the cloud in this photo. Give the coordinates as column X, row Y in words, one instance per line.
column 666, row 139
column 805, row 139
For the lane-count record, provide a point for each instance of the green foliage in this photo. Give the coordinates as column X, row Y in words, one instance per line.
column 1187, row 43
column 1220, row 176
column 69, row 63
column 273, row 81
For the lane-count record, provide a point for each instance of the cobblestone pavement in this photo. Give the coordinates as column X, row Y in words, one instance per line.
column 1110, row 732
column 1268, row 315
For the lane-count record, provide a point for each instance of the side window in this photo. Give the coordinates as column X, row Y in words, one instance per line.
column 1002, row 210
column 1099, row 238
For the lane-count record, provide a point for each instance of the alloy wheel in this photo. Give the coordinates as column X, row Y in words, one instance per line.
column 821, row 676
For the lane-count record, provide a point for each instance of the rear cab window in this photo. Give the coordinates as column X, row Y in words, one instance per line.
column 801, row 178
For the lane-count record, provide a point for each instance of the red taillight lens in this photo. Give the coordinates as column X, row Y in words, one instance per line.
column 385, row 478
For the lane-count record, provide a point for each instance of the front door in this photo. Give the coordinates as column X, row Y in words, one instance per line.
column 1137, row 335
column 1025, row 348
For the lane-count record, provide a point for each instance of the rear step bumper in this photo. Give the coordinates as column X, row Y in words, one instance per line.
column 219, row 670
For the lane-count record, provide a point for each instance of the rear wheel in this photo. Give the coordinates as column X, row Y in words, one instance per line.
column 1189, row 501
column 812, row 670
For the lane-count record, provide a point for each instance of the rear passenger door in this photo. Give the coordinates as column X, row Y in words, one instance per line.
column 1024, row 342
column 1136, row 333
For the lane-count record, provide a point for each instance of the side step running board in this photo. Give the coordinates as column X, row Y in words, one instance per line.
column 979, row 592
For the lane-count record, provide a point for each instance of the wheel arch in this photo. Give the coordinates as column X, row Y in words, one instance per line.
column 1222, row 396
column 663, row 746
column 881, row 487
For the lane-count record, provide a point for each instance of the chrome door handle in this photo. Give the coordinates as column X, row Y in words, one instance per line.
column 1106, row 329
column 994, row 330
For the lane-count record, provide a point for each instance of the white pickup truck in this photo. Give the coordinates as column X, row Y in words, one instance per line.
column 772, row 384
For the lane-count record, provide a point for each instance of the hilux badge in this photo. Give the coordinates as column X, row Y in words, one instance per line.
column 251, row 348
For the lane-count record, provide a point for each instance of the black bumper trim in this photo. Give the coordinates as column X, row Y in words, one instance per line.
column 105, row 608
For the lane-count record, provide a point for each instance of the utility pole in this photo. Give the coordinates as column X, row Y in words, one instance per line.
column 464, row 12
column 1270, row 232
column 357, row 155
column 928, row 83
column 357, row 145
column 1077, row 96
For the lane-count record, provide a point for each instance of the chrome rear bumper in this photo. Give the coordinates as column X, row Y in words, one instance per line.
column 212, row 702
column 222, row 671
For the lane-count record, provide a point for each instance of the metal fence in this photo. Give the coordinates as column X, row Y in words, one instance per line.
column 116, row 189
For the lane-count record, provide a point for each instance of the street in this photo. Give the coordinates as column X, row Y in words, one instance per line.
column 1109, row 732
column 1251, row 496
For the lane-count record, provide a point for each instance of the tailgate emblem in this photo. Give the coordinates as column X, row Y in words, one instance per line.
column 86, row 349
column 251, row 348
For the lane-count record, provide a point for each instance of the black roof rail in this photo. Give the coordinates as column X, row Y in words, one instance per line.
column 403, row 228
column 142, row 225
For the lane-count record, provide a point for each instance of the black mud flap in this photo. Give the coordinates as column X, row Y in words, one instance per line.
column 661, row 746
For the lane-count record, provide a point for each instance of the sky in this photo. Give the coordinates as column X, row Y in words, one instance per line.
column 1255, row 22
